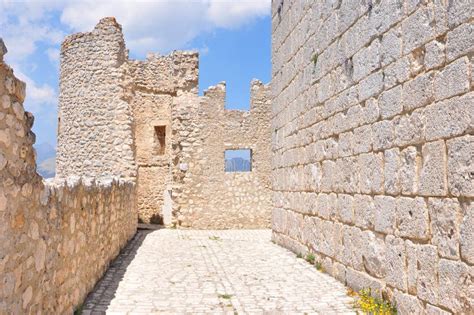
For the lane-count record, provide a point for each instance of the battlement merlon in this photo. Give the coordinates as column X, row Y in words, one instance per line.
column 259, row 96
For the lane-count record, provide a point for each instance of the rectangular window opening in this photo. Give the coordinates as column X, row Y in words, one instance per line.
column 238, row 160
column 160, row 140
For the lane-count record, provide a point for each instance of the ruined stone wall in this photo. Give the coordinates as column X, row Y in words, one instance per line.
column 373, row 148
column 122, row 117
column 152, row 85
column 56, row 238
column 204, row 195
column 94, row 121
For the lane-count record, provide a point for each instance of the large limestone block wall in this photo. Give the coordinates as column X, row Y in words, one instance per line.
column 56, row 238
column 204, row 195
column 152, row 85
column 95, row 121
column 373, row 150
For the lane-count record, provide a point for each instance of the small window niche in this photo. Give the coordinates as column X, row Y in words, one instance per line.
column 160, row 140
column 238, row 160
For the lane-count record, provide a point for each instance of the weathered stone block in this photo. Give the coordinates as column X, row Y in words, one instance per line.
column 433, row 310
column 467, row 232
column 371, row 85
column 434, row 55
column 433, row 170
column 364, row 211
column 460, row 168
column 408, row 171
column 353, row 242
column 371, row 173
column 328, row 168
column 397, row 72
column 455, row 286
column 412, row 217
column 366, row 60
column 390, row 102
column 410, row 129
column 345, row 144
column 362, row 140
column 427, row 280
column 392, row 165
column 395, row 262
column 326, row 205
column 345, row 208
column 374, row 254
column 452, row 80
column 446, row 217
column 417, row 29
column 450, row 117
column 358, row 280
column 384, row 134
column 385, row 214
column 339, row 272
column 279, row 220
column 408, row 304
column 391, row 46
column 418, row 92
column 460, row 41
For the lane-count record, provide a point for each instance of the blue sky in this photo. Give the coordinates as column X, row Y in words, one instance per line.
column 233, row 38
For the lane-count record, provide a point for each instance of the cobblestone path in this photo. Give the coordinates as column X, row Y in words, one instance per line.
column 213, row 272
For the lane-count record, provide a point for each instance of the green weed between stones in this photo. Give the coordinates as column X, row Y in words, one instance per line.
column 319, row 266
column 310, row 258
column 225, row 296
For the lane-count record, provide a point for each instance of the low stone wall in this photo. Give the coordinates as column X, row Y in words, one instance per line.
column 373, row 111
column 56, row 238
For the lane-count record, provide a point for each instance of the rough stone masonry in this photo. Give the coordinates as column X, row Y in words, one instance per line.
column 144, row 120
column 372, row 122
column 56, row 237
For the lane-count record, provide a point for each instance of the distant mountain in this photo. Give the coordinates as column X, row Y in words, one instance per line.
column 237, row 164
column 46, row 159
column 47, row 168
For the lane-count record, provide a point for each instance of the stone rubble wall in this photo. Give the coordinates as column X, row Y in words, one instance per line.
column 152, row 85
column 372, row 122
column 95, row 135
column 204, row 195
column 56, row 238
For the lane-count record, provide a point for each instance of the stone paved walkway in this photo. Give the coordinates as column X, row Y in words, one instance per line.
column 213, row 272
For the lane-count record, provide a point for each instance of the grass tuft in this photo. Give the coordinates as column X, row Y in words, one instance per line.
column 310, row 258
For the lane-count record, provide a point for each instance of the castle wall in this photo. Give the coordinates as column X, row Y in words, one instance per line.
column 204, row 195
column 152, row 86
column 372, row 145
column 56, row 238
column 95, row 121
column 124, row 118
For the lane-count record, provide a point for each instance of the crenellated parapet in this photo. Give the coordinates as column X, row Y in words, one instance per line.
column 205, row 195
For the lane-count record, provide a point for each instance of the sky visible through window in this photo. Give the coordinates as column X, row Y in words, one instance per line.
column 238, row 160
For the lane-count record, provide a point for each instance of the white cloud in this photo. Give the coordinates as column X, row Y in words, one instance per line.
column 232, row 14
column 164, row 25
column 53, row 55
column 39, row 96
column 149, row 26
